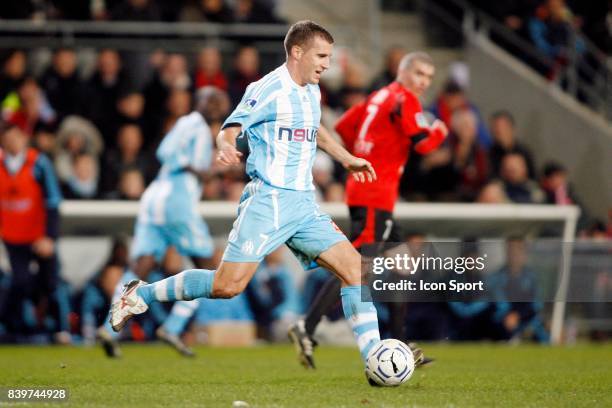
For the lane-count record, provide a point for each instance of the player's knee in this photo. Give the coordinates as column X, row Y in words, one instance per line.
column 352, row 269
column 227, row 290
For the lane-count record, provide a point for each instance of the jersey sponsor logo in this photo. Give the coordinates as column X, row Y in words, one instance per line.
column 297, row 135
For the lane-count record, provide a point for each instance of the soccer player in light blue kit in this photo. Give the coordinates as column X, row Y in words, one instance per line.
column 280, row 117
column 168, row 214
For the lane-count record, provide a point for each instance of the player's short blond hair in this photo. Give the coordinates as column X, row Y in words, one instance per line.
column 409, row 58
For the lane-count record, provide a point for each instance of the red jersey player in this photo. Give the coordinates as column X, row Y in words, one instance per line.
column 381, row 130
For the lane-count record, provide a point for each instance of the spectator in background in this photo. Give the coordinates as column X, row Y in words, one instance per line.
column 392, row 60
column 353, row 88
column 30, row 197
column 556, row 186
column 460, row 168
column 96, row 300
column 178, row 104
column 470, row 160
column 28, row 108
column 131, row 111
column 553, row 30
column 76, row 136
column 62, row 85
column 492, row 193
column 253, row 11
column 273, row 297
column 83, row 181
column 97, row 294
column 44, row 141
column 135, row 10
column 209, row 69
column 516, row 290
column 453, row 98
column 127, row 155
column 558, row 190
column 104, row 89
column 130, row 186
column 214, row 11
column 504, row 142
column 517, row 184
column 13, row 72
column 246, row 70
column 172, row 75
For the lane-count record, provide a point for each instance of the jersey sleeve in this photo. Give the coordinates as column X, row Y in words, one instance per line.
column 348, row 125
column 413, row 119
column 252, row 108
column 201, row 154
column 172, row 151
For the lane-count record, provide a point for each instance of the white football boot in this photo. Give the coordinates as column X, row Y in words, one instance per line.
column 128, row 305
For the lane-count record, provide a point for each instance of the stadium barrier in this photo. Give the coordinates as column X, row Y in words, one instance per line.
column 451, row 221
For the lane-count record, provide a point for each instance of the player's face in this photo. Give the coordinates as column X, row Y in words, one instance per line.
column 315, row 60
column 418, row 77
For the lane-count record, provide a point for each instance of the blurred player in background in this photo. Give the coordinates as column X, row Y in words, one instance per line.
column 280, row 115
column 381, row 129
column 168, row 214
column 29, row 227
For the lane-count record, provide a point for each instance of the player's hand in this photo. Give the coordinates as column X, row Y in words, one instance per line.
column 438, row 124
column 43, row 247
column 228, row 155
column 361, row 169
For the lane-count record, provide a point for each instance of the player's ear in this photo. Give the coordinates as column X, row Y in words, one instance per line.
column 297, row 52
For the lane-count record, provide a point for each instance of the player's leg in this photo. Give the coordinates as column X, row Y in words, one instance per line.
column 148, row 248
column 180, row 315
column 344, row 260
column 363, row 230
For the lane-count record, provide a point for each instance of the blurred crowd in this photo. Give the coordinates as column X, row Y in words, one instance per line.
column 214, row 11
column 101, row 131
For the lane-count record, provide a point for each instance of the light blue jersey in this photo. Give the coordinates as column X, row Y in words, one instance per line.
column 174, row 194
column 168, row 213
column 280, row 120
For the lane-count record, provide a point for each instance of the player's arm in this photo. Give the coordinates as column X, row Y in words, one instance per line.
column 358, row 167
column 348, row 125
column 226, row 145
column 435, row 136
column 415, row 123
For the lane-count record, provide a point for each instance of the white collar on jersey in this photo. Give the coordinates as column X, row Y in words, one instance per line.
column 287, row 76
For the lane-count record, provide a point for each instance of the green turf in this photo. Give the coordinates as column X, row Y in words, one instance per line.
column 467, row 375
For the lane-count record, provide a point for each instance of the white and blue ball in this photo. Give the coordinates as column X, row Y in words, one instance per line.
column 390, row 363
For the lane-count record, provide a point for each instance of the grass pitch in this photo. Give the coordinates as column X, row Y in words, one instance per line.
column 474, row 375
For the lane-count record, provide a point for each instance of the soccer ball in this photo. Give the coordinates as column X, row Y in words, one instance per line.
column 390, row 363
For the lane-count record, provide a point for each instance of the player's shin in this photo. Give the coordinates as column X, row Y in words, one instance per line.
column 187, row 285
column 361, row 314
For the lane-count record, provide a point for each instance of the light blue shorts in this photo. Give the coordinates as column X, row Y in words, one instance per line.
column 269, row 217
column 189, row 238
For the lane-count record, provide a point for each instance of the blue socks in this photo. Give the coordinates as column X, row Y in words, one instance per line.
column 187, row 285
column 362, row 317
column 179, row 316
